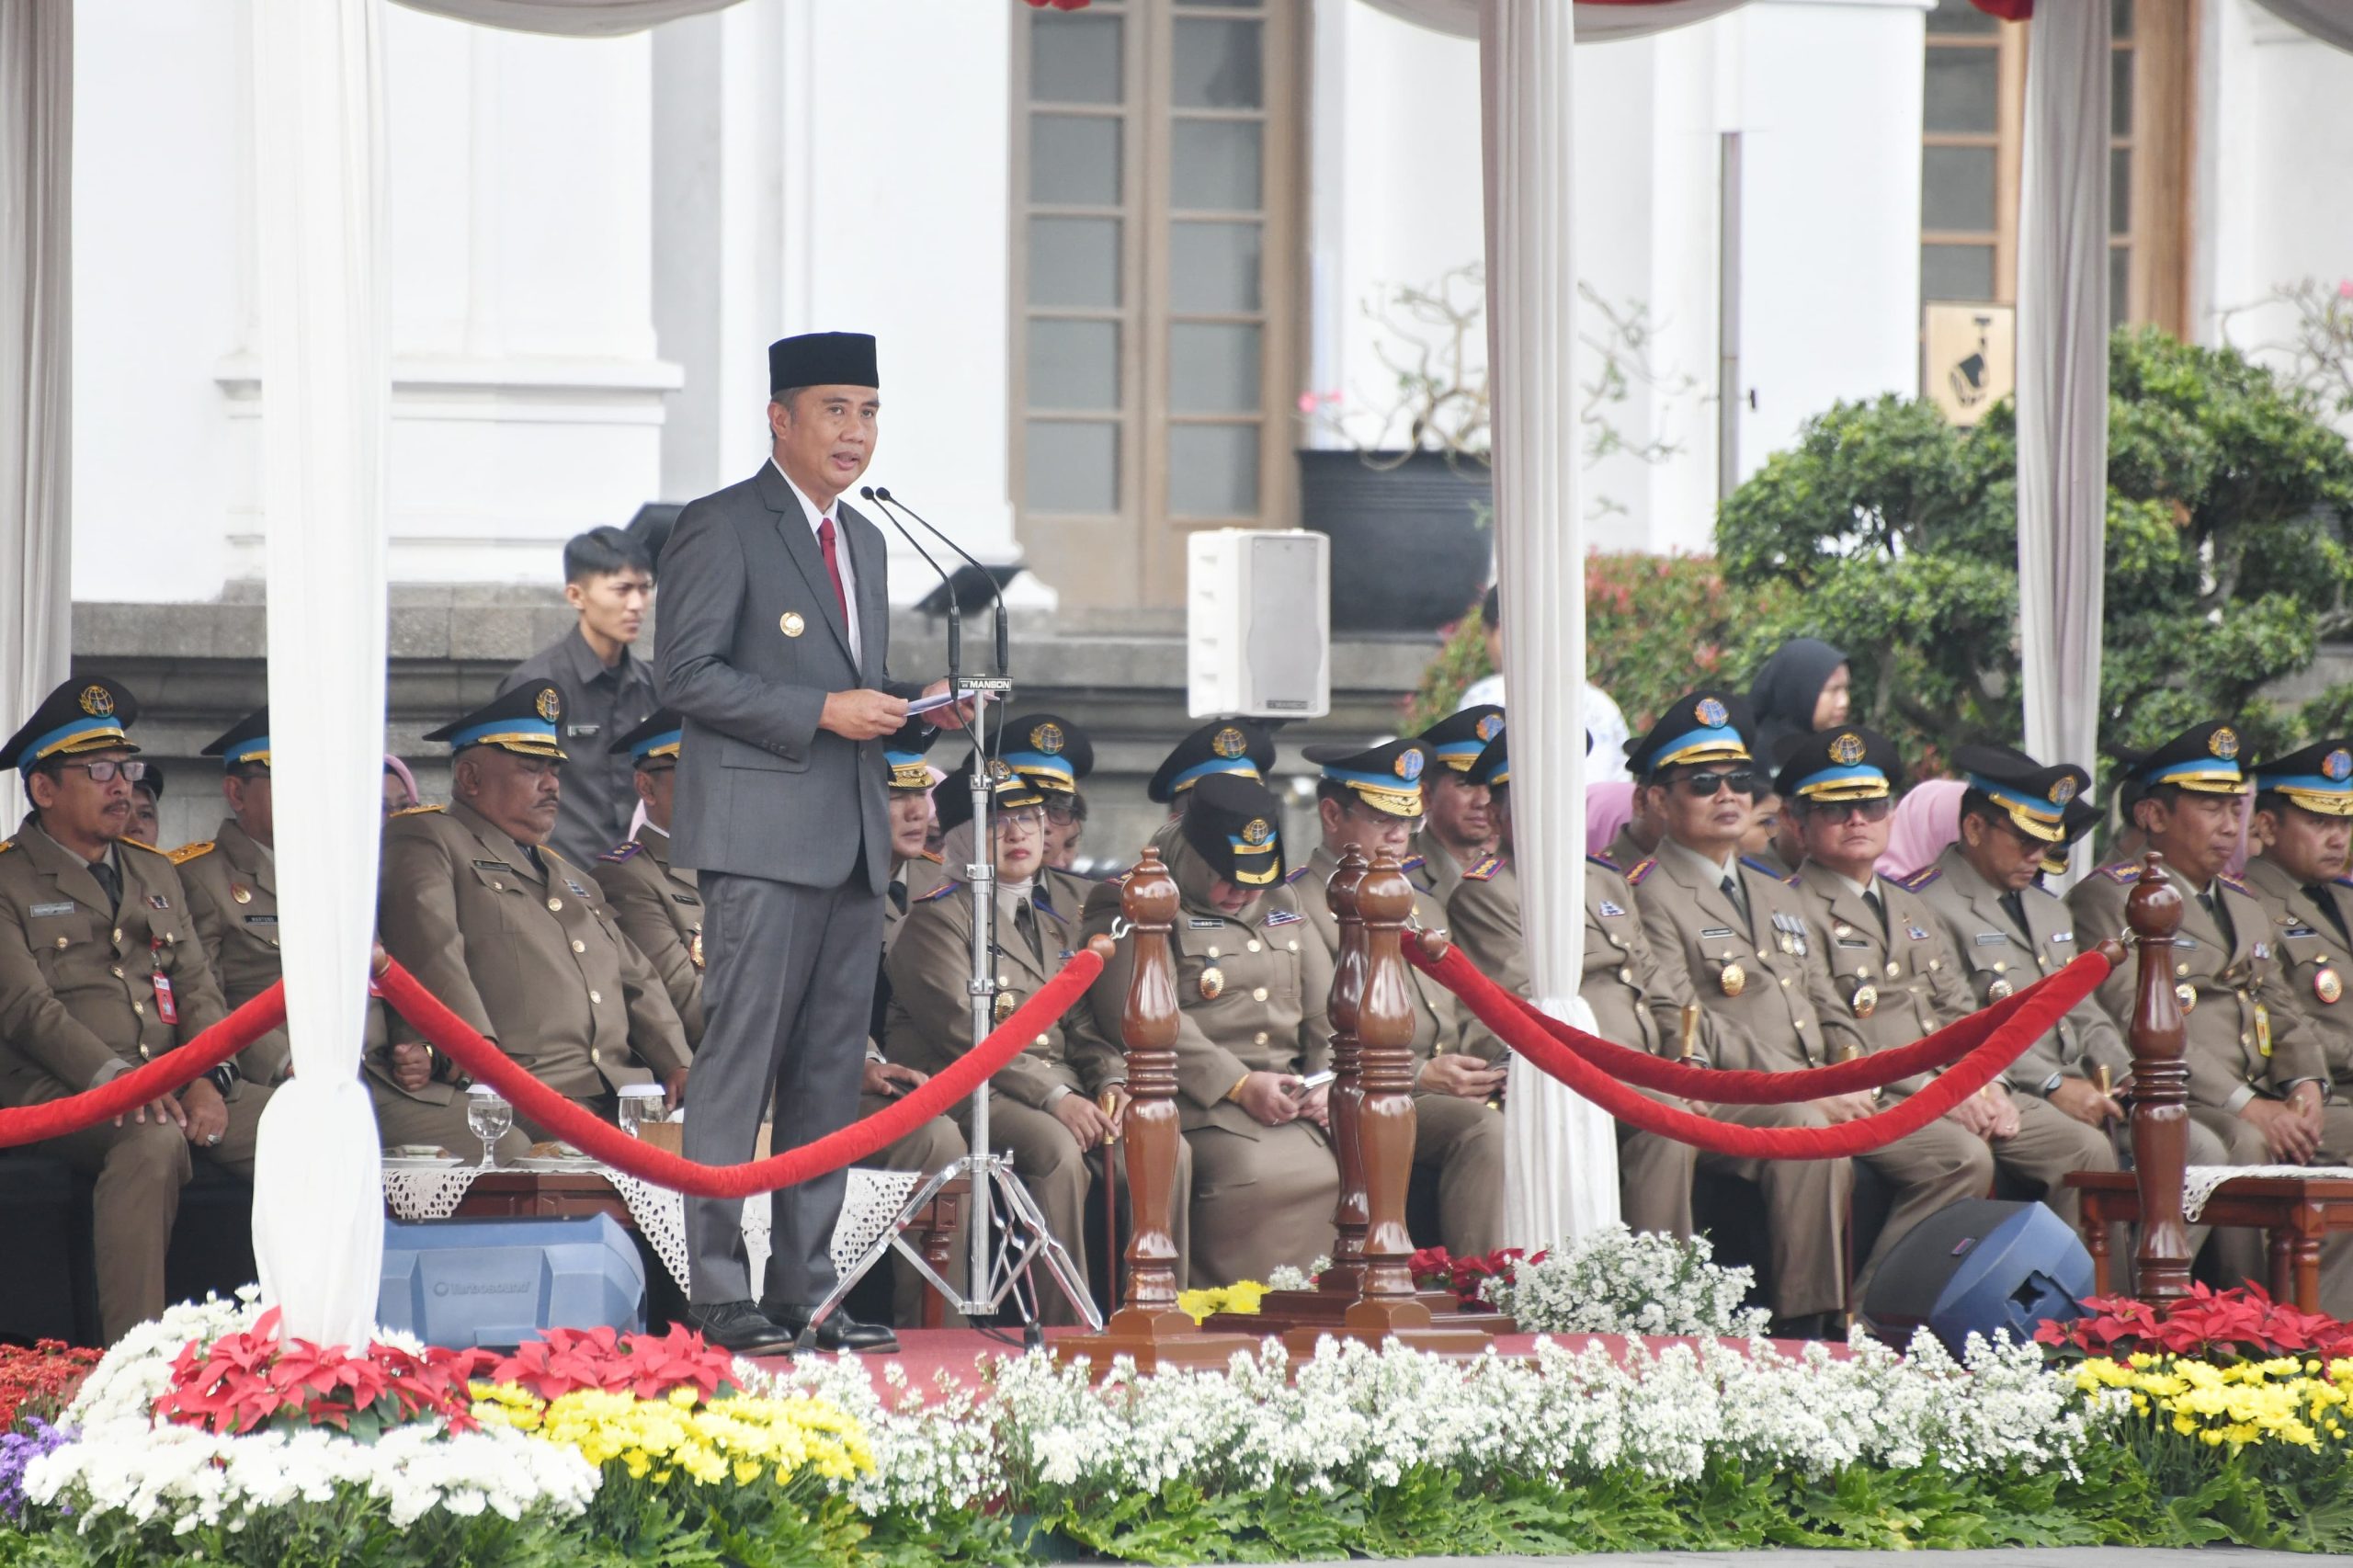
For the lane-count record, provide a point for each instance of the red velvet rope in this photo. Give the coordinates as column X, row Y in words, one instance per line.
column 455, row 1038
column 148, row 1081
column 1721, row 1085
column 2048, row 1004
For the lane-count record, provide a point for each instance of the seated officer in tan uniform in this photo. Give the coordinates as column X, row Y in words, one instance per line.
column 1902, row 980
column 231, row 881
column 511, row 936
column 1053, row 753
column 658, row 906
column 1460, row 824
column 1741, row 935
column 1252, row 986
column 1373, row 799
column 1046, row 1104
column 1636, row 998
column 101, row 969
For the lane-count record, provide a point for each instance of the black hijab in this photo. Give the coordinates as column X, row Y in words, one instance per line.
column 1789, row 686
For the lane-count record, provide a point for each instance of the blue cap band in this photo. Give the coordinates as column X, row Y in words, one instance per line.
column 2018, row 800
column 667, row 743
column 1053, row 765
column 2309, row 783
column 505, row 729
column 2198, row 769
column 1199, row 770
column 1714, row 737
column 254, row 750
column 1861, row 773
column 82, row 729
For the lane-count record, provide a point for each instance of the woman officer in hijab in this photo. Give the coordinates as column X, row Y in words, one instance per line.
column 1801, row 688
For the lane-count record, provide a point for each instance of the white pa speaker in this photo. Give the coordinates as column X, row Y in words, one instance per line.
column 1259, row 623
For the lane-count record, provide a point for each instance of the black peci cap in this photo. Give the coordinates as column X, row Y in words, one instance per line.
column 823, row 359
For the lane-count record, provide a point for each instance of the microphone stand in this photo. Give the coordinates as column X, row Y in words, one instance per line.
column 989, row 1176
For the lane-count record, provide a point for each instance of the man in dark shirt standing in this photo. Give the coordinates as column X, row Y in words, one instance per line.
column 607, row 690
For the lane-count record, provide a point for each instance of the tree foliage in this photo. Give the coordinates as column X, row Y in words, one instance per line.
column 1893, row 534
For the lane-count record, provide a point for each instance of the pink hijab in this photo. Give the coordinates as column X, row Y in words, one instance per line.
column 1608, row 808
column 1926, row 819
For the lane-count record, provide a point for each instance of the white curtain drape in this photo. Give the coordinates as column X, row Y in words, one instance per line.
column 36, row 354
column 318, row 102
column 2063, row 378
column 1595, row 24
column 1559, row 1153
column 570, row 18
column 2331, row 21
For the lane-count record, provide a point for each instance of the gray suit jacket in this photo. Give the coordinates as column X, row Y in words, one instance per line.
column 750, row 642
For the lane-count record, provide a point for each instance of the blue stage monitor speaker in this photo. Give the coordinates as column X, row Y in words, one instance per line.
column 499, row 1282
column 1976, row 1267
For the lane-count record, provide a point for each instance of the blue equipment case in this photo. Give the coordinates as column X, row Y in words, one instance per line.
column 1978, row 1265
column 499, row 1282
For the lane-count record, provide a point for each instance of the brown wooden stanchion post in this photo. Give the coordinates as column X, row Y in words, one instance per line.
column 1346, row 1277
column 1387, row 1307
column 2160, row 1088
column 1150, row 1328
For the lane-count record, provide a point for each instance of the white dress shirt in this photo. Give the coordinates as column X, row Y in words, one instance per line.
column 841, row 554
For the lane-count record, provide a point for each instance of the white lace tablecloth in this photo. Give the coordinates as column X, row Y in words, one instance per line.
column 433, row 1191
column 2198, row 1182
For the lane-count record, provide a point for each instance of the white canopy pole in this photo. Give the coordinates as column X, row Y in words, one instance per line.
column 2062, row 378
column 318, row 100
column 1559, row 1152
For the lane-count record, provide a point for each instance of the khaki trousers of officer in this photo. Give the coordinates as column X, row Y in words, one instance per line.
column 1260, row 1201
column 400, row 1120
column 1655, row 1182
column 927, row 1148
column 1805, row 1208
column 1462, row 1142
column 2048, row 1144
column 1060, row 1175
column 139, row 1168
column 1931, row 1169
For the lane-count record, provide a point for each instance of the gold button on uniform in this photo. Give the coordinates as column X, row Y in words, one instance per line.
column 1894, row 972
column 790, row 623
column 596, row 998
column 146, row 1053
column 595, row 1056
column 141, row 1008
column 1251, row 945
column 555, row 905
column 1045, row 1040
column 578, row 946
column 1257, row 993
column 1212, row 952
column 117, row 970
column 1292, row 945
column 1259, row 1038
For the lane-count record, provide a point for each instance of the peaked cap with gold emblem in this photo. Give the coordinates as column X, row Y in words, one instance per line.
column 523, row 721
column 85, row 714
column 1049, row 751
column 1237, row 824
column 1221, row 745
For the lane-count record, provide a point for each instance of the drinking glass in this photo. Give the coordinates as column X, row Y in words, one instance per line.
column 488, row 1117
column 640, row 1103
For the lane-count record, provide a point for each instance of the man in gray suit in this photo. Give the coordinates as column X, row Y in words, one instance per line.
column 774, row 647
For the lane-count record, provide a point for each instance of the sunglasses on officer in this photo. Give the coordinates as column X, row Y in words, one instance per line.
column 1704, row 785
column 1873, row 810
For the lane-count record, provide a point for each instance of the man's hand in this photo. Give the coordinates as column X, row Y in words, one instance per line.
column 863, row 714
column 1839, row 1109
column 1996, row 1097
column 1085, row 1119
column 412, row 1065
column 1267, row 1097
column 2286, row 1131
column 1120, row 1101
column 673, row 1091
column 888, row 1080
column 1316, row 1106
column 207, row 1113
column 1975, row 1113
column 2080, row 1099
column 162, row 1108
column 954, row 717
column 1465, row 1077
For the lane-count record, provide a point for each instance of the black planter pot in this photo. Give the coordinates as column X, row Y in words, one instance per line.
column 1409, row 551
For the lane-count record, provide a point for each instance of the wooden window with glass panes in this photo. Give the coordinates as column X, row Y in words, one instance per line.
column 1153, row 370
column 1973, row 125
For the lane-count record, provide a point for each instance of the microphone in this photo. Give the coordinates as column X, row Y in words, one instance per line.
column 1004, row 641
column 955, row 615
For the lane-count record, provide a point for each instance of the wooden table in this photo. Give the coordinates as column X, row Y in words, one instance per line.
column 580, row 1195
column 2299, row 1212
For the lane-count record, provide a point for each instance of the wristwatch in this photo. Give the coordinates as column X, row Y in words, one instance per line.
column 225, row 1078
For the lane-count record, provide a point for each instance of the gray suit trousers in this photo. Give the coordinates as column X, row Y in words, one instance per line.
column 786, row 1000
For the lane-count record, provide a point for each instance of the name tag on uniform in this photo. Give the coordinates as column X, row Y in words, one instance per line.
column 2300, row 931
column 1989, row 939
column 493, row 866
column 1611, row 910
column 67, row 907
column 2184, row 942
column 1197, row 924
column 167, row 1008
column 1853, row 942
column 2062, row 935
column 261, row 919
column 1290, row 917
column 1713, row 933
column 582, row 732
column 684, row 898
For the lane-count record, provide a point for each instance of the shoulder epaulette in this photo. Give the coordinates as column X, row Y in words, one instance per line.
column 2233, row 884
column 1642, row 869
column 1762, row 868
column 1413, row 862
column 935, row 857
column 418, row 811
column 2340, row 882
column 1602, row 857
column 1295, row 875
column 2120, row 871
column 1917, row 879
column 620, row 852
column 141, row 844
column 187, row 852
column 1485, row 869
column 6, row 845
column 942, row 891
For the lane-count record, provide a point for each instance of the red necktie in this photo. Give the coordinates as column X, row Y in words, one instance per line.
column 832, row 566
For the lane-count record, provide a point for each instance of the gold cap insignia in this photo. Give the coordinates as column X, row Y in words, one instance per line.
column 1711, row 712
column 96, row 701
column 549, row 704
column 2338, row 765
column 1256, row 831
column 2063, row 791
column 1409, row 766
column 1047, row 738
column 1847, row 750
column 999, row 771
column 2223, row 743
column 1488, row 728
column 1229, row 742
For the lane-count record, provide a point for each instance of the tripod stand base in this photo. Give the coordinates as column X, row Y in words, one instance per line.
column 1153, row 1340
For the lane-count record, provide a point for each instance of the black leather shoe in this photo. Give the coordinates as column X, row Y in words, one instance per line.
column 839, row 1332
column 743, row 1328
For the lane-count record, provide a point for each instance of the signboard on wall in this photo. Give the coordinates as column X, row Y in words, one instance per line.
column 1970, row 360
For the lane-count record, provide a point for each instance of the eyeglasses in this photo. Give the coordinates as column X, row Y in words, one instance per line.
column 1028, row 820
column 1701, row 786
column 1062, row 813
column 106, row 769
column 1839, row 811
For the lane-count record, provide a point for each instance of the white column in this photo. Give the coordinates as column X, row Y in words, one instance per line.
column 1560, row 1152
column 2062, row 378
column 36, row 350
column 318, row 1200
